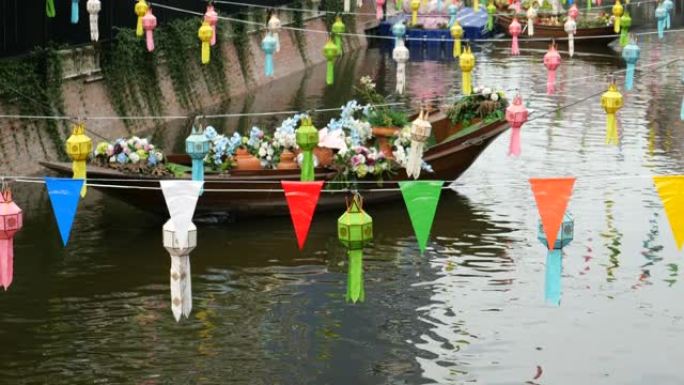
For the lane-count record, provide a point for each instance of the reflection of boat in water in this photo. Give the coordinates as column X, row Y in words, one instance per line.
column 455, row 150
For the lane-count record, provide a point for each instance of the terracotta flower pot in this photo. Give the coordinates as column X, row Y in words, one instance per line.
column 383, row 135
column 287, row 161
column 246, row 161
column 324, row 156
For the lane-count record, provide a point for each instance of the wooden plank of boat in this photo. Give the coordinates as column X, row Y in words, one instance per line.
column 553, row 31
column 257, row 193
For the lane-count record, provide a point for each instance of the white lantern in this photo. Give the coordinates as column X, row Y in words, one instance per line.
column 181, row 283
column 94, row 7
column 531, row 17
column 420, row 132
column 571, row 28
column 400, row 54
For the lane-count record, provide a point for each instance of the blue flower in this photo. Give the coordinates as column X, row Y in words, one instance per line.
column 210, row 133
column 122, row 158
column 152, row 160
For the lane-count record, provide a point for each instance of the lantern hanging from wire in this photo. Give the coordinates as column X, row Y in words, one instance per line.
column 625, row 24
column 268, row 45
column 552, row 61
column 570, row 28
column 630, row 53
column 79, row 147
column 307, row 139
column 211, row 17
column 573, row 12
column 491, row 11
column 400, row 54
column 338, row 29
column 516, row 116
column 399, row 31
column 661, row 17
column 141, row 8
column 197, row 147
column 149, row 24
column 415, row 6
column 379, row 12
column 274, row 26
column 74, row 11
column 205, row 33
column 467, row 63
column 452, row 9
column 330, row 52
column 611, row 101
column 180, row 278
column 618, row 9
column 11, row 221
column 456, row 33
column 669, row 7
column 94, row 7
column 355, row 231
column 515, row 29
column 531, row 17
column 50, row 8
column 420, row 133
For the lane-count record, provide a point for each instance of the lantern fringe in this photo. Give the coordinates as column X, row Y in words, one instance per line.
column 629, row 76
column 355, row 287
column 6, row 262
column 571, row 44
column 457, row 47
column 268, row 65
column 514, row 147
column 467, row 83
column 94, row 27
column 661, row 29
column 181, row 287
column 79, row 168
column 415, row 159
column 681, row 113
column 74, row 12
column 530, row 27
column 551, row 82
column 347, row 6
column 50, row 8
column 515, row 50
column 611, row 129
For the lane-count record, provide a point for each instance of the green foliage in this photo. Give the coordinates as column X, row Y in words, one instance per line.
column 473, row 107
column 380, row 115
column 179, row 45
column 242, row 46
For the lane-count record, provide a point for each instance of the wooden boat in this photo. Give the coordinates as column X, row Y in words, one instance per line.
column 258, row 193
column 556, row 31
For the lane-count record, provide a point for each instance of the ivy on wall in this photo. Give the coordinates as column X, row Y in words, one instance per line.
column 243, row 48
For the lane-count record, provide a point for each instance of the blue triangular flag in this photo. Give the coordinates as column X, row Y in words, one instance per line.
column 64, row 196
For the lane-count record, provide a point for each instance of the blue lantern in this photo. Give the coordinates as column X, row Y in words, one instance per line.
column 197, row 146
column 661, row 17
column 554, row 258
column 453, row 12
column 399, row 31
column 631, row 54
column 74, row 11
column 269, row 45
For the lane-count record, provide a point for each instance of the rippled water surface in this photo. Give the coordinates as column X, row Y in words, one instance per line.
column 470, row 310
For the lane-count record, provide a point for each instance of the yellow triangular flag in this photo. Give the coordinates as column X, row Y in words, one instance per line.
column 671, row 191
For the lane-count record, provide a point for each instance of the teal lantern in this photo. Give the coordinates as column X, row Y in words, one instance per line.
column 554, row 258
column 307, row 140
column 399, row 31
column 630, row 53
column 197, row 147
column 355, row 231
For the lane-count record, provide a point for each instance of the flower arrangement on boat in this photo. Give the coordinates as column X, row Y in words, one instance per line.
column 484, row 105
column 133, row 154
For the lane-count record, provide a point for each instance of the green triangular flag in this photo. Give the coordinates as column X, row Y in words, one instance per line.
column 355, row 290
column 421, row 199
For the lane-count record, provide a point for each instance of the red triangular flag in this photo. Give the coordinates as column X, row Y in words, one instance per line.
column 552, row 196
column 302, row 198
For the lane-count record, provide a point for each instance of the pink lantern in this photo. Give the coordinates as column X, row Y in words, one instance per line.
column 149, row 22
column 11, row 221
column 378, row 8
column 516, row 6
column 211, row 17
column 516, row 116
column 552, row 61
column 515, row 29
column 573, row 11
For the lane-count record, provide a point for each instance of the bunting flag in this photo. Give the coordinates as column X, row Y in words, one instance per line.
column 64, row 196
column 671, row 191
column 552, row 285
column 421, row 199
column 552, row 196
column 181, row 199
column 302, row 198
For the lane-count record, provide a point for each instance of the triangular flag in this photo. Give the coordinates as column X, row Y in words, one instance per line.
column 64, row 196
column 552, row 196
column 181, row 199
column 421, row 199
column 671, row 191
column 302, row 198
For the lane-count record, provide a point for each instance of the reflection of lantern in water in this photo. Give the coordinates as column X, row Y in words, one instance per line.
column 355, row 231
column 554, row 258
column 661, row 17
column 268, row 45
column 631, row 54
column 180, row 279
column 552, row 61
column 11, row 221
column 514, row 29
column 456, row 33
column 669, row 6
column 415, row 6
column 491, row 11
column 274, row 26
column 338, row 28
column 611, row 101
column 625, row 24
column 330, row 52
column 617, row 14
column 570, row 28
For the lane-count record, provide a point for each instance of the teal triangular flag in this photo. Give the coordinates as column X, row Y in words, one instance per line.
column 421, row 199
column 64, row 196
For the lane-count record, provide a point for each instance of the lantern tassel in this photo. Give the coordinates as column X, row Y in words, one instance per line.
column 551, row 82
column 355, row 289
column 181, row 290
column 490, row 22
column 514, row 46
column 198, row 171
column 399, row 4
column 457, row 47
column 149, row 37
column 611, row 129
column 661, row 28
column 624, row 36
column 552, row 286
column 414, row 17
column 629, row 76
column 74, row 11
column 268, row 65
column 378, row 10
column 206, row 53
column 616, row 25
column 681, row 113
column 139, row 28
column 94, row 27
column 79, row 169
column 514, row 148
column 307, row 174
column 667, row 20
column 571, row 45
column 467, row 83
column 588, row 5
column 347, row 5
column 50, row 8
column 401, row 78
column 415, row 159
column 330, row 73
column 6, row 262
column 530, row 27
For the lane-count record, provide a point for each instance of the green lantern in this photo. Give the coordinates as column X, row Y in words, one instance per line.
column 338, row 28
column 330, row 52
column 625, row 24
column 307, row 140
column 355, row 231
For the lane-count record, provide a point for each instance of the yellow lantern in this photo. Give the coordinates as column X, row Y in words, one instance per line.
column 611, row 101
column 205, row 34
column 415, row 6
column 141, row 8
column 618, row 10
column 467, row 62
column 457, row 33
column 79, row 147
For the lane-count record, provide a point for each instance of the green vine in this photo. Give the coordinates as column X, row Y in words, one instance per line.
column 177, row 44
column 299, row 36
column 242, row 46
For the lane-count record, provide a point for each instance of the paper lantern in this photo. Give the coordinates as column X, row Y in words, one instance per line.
column 179, row 249
column 50, row 8
column 531, row 17
column 669, row 6
column 399, row 31
column 269, row 46
column 379, row 12
column 78, row 148
column 94, row 7
column 515, row 29
column 611, row 101
column 149, row 24
column 573, row 12
column 516, row 6
column 205, row 33
column 476, row 6
column 415, row 6
column 516, row 116
column 453, row 14
column 570, row 28
column 211, row 17
column 338, row 29
column 554, row 258
column 420, row 133
column 11, row 221
column 330, row 52
column 566, row 233
column 467, row 62
column 355, row 231
column 141, row 8
column 74, row 11
column 625, row 24
column 274, row 26
column 631, row 55
column 197, row 147
column 456, row 33
column 617, row 14
column 400, row 54
column 307, row 139
column 552, row 61
column 661, row 17
column 491, row 11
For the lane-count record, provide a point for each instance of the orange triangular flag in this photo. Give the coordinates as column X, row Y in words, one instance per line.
column 302, row 198
column 552, row 196
column 671, row 191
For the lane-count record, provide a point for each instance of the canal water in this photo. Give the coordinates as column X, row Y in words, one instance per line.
column 470, row 310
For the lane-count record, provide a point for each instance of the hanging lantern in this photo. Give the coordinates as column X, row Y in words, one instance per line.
column 141, row 8
column 420, row 133
column 570, row 28
column 355, row 231
column 94, row 7
column 74, row 11
column 457, row 33
column 211, row 17
column 453, row 14
column 50, row 8
column 274, row 26
column 611, row 101
column 338, row 29
column 491, row 11
column 531, row 17
column 205, row 33
column 400, row 54
column 149, row 24
column 552, row 61
column 516, row 6
column 399, row 31
column 669, row 7
column 379, row 12
column 515, row 29
column 467, row 62
column 516, row 116
column 197, row 147
column 415, row 6
column 347, row 6
column 617, row 14
column 573, row 12
column 180, row 278
column 554, row 258
column 589, row 5
column 625, row 24
column 11, row 221
column 268, row 45
column 631, row 55
column 661, row 17
column 78, row 148
column 330, row 52
column 307, row 139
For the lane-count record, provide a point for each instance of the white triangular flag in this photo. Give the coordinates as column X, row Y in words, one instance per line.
column 181, row 199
